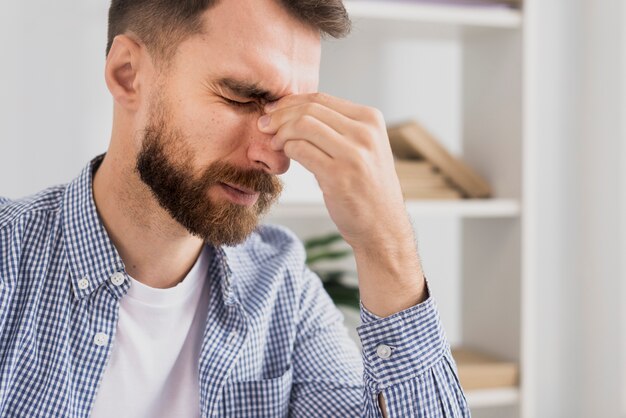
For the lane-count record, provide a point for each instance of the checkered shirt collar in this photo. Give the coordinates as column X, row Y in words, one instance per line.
column 91, row 254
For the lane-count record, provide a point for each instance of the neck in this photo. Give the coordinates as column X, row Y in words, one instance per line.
column 156, row 250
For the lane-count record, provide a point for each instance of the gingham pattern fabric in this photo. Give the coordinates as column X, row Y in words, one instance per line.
column 274, row 344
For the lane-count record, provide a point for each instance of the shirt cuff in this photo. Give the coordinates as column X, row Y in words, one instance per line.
column 402, row 346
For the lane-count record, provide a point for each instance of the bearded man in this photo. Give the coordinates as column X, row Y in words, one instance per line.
column 146, row 287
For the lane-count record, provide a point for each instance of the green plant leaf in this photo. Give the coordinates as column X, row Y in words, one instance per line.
column 329, row 255
column 342, row 294
column 318, row 249
column 332, row 276
column 322, row 241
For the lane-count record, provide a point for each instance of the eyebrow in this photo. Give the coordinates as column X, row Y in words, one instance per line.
column 246, row 90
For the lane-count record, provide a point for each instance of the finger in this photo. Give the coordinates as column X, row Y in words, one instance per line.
column 345, row 107
column 310, row 129
column 309, row 156
column 270, row 123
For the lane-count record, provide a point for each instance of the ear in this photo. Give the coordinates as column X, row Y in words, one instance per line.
column 122, row 72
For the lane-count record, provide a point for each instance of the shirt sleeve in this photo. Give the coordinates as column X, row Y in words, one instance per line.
column 407, row 358
column 417, row 375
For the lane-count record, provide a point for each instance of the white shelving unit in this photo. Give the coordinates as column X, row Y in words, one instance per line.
column 459, row 71
column 500, row 17
column 487, row 208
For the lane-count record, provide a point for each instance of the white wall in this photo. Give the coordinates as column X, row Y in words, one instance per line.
column 623, row 215
column 599, row 175
column 55, row 110
column 573, row 116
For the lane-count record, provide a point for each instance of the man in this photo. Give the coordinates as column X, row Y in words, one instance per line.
column 145, row 288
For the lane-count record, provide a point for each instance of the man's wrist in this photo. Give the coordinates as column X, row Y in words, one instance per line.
column 390, row 284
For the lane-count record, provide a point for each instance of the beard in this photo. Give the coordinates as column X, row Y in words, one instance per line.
column 164, row 165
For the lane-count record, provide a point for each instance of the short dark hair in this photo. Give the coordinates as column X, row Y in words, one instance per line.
column 163, row 24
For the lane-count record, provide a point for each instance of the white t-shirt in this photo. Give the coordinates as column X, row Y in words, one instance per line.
column 153, row 369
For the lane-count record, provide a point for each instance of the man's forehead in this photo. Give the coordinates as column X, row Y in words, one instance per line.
column 266, row 53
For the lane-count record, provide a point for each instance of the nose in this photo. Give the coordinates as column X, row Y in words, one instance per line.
column 263, row 156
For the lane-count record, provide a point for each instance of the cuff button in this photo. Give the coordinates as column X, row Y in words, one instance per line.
column 383, row 351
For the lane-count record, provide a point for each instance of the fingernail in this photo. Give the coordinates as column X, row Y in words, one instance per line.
column 264, row 121
column 270, row 106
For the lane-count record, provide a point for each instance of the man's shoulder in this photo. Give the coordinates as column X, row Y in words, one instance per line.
column 46, row 201
column 267, row 269
column 276, row 241
column 270, row 249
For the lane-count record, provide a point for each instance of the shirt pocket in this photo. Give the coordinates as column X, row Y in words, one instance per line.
column 258, row 398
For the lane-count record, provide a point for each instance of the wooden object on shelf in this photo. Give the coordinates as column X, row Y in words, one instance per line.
column 414, row 168
column 426, row 182
column 481, row 371
column 427, row 194
column 419, row 173
column 411, row 141
column 419, row 179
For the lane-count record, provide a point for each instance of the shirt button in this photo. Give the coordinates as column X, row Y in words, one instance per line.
column 101, row 339
column 383, row 351
column 118, row 279
column 83, row 283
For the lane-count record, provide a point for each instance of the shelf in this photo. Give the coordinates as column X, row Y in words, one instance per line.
column 470, row 208
column 481, row 16
column 484, row 398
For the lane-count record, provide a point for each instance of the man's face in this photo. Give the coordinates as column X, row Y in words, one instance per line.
column 199, row 146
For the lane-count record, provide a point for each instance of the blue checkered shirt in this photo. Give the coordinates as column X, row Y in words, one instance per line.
column 274, row 344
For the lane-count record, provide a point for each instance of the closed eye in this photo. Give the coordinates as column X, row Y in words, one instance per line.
column 239, row 104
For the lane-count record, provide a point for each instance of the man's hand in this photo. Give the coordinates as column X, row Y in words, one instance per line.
column 346, row 147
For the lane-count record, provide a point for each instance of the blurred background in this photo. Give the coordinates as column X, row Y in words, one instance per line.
column 528, row 98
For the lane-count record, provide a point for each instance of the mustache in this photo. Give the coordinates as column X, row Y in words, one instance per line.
column 257, row 180
column 157, row 135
